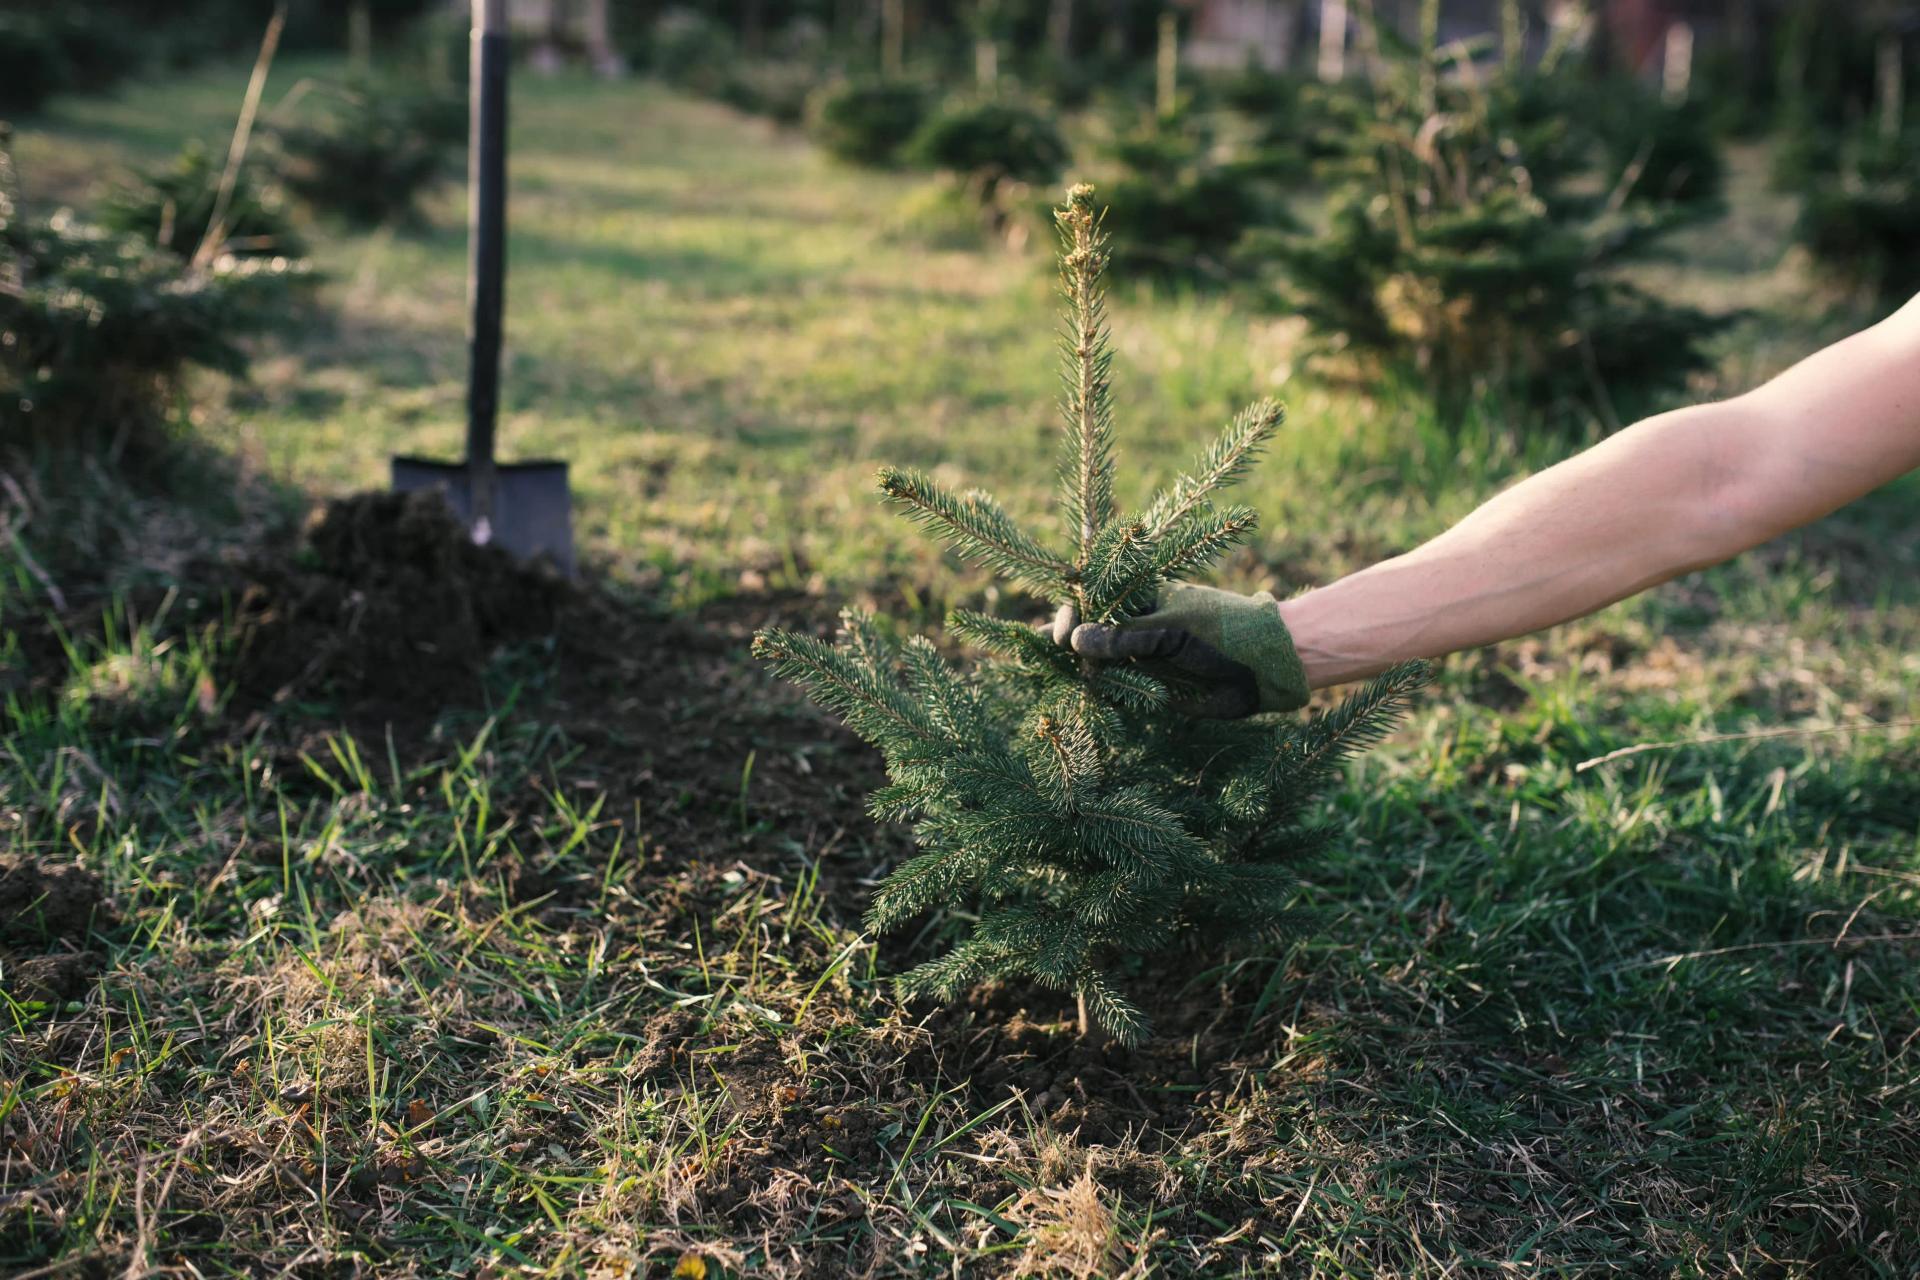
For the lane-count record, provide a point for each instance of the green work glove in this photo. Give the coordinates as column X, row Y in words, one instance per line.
column 1224, row 654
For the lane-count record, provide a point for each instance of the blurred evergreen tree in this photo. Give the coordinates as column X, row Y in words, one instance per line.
column 1468, row 249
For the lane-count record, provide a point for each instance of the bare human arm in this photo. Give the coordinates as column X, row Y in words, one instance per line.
column 1674, row 493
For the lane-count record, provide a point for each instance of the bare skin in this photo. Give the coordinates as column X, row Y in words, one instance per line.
column 1674, row 493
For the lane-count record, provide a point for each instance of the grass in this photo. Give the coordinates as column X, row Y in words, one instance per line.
column 572, row 985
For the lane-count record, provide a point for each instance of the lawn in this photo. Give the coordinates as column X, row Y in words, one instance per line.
column 559, row 971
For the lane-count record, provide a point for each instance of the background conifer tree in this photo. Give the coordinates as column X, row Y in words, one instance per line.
column 1061, row 801
column 1481, row 224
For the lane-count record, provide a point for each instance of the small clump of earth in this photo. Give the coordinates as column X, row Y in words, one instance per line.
column 47, row 913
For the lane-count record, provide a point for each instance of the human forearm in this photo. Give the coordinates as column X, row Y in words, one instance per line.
column 1674, row 493
column 1617, row 519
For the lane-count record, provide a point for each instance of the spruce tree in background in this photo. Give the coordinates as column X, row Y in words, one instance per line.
column 1468, row 249
column 1061, row 802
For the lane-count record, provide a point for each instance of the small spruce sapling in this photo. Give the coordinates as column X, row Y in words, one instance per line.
column 1060, row 801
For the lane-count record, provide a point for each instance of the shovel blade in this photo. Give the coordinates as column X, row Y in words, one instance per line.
column 532, row 505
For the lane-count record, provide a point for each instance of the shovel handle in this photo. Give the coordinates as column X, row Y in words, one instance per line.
column 486, row 242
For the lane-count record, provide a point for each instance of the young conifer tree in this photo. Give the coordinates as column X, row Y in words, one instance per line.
column 1063, row 803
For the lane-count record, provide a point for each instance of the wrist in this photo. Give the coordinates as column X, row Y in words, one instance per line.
column 1262, row 635
column 1303, row 621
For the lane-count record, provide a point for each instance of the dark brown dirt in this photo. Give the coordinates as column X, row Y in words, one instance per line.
column 386, row 617
column 1017, row 1038
column 45, row 903
column 47, row 911
column 388, row 609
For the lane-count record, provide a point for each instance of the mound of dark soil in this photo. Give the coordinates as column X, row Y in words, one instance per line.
column 42, row 903
column 46, row 911
column 387, row 601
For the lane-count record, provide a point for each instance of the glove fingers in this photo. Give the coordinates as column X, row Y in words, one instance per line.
column 1195, row 659
column 1232, row 700
column 1105, row 643
column 1205, row 682
column 1064, row 622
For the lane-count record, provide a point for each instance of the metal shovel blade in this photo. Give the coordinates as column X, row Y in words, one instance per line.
column 532, row 515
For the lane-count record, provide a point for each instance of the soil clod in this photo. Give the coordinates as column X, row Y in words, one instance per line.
column 44, row 904
column 46, row 913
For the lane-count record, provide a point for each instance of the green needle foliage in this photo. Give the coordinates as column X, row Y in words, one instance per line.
column 1479, row 236
column 98, row 329
column 1861, row 223
column 171, row 207
column 1056, row 802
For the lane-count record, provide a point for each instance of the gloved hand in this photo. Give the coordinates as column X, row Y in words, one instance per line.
column 1225, row 655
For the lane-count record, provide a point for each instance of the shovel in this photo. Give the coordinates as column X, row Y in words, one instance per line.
column 522, row 507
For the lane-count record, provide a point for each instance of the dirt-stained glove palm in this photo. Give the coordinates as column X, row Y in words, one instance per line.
column 1224, row 654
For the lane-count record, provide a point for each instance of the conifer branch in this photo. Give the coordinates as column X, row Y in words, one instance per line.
column 1204, row 539
column 920, row 883
column 1069, row 756
column 1132, row 833
column 1362, row 720
column 859, row 695
column 861, row 636
column 1180, row 554
column 947, row 976
column 976, row 527
column 1008, row 639
column 1044, row 942
column 1121, row 567
column 950, row 704
column 1105, row 898
column 1117, row 1016
column 1131, row 688
column 900, row 800
column 1224, row 463
column 1308, row 756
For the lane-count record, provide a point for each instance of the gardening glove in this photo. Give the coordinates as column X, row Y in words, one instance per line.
column 1225, row 655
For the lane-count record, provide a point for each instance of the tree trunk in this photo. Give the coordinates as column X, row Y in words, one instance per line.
column 753, row 27
column 893, row 36
column 1513, row 33
column 598, row 35
column 1060, row 29
column 1366, row 36
column 1743, row 39
column 1676, row 63
column 1333, row 41
column 360, row 35
column 1166, row 96
column 986, row 64
column 1429, row 44
column 1092, row 1034
column 1889, row 86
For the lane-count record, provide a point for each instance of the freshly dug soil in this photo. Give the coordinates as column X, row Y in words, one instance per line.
column 388, row 601
column 42, row 903
column 46, row 911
